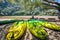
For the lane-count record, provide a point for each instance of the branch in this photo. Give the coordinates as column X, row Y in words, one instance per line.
column 52, row 2
column 50, row 5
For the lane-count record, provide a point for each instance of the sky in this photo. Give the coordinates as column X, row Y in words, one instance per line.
column 57, row 1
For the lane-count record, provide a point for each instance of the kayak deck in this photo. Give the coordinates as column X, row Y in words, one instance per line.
column 53, row 35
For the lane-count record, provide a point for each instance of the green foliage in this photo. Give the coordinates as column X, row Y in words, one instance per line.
column 25, row 7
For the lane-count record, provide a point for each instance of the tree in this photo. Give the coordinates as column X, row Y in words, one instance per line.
column 28, row 6
column 57, row 7
column 32, row 4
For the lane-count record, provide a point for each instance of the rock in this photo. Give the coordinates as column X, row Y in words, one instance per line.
column 0, row 35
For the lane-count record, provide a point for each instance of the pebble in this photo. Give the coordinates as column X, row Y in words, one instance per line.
column 0, row 29
column 55, row 39
column 0, row 35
